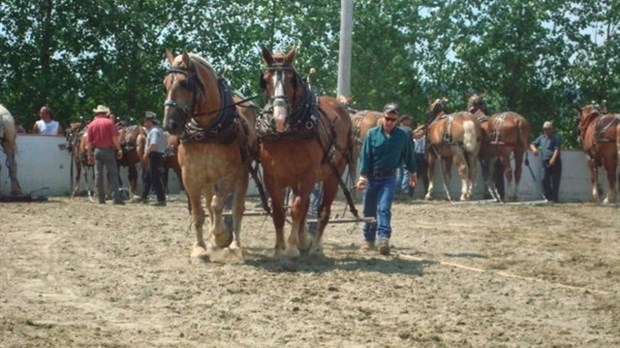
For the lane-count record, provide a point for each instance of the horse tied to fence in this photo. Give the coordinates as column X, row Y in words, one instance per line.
column 133, row 140
column 452, row 137
column 599, row 134
column 303, row 139
column 8, row 135
column 80, row 161
column 217, row 146
column 503, row 134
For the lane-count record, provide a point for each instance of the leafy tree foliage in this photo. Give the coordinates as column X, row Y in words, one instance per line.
column 538, row 58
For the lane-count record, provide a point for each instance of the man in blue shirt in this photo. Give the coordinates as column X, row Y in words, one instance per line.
column 384, row 149
column 549, row 145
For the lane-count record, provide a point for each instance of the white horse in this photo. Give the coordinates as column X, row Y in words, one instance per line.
column 7, row 142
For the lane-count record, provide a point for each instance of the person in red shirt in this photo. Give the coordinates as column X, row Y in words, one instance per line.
column 104, row 143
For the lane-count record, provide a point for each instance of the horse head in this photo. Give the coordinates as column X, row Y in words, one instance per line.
column 281, row 84
column 437, row 108
column 191, row 88
column 585, row 115
column 476, row 102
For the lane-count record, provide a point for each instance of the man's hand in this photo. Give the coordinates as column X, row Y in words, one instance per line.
column 361, row 183
column 119, row 154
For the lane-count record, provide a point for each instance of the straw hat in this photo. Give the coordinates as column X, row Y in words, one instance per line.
column 102, row 109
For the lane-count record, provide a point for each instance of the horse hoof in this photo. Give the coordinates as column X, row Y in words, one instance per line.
column 223, row 240
column 292, row 252
column 199, row 255
column 428, row 198
column 227, row 255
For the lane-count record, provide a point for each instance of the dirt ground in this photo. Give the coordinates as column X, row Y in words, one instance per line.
column 78, row 274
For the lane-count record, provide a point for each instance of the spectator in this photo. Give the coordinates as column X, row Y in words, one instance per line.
column 19, row 129
column 154, row 153
column 47, row 125
column 384, row 149
column 103, row 142
column 549, row 145
column 402, row 174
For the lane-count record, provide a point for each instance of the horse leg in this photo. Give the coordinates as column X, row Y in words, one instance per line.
column 431, row 178
column 238, row 209
column 277, row 214
column 12, row 164
column 221, row 237
column 330, row 189
column 197, row 213
column 299, row 212
column 593, row 179
column 519, row 154
column 461, row 164
column 610, row 168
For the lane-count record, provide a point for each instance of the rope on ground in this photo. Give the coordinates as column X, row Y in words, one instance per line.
column 503, row 274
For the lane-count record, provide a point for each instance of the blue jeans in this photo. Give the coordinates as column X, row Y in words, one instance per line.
column 377, row 202
column 402, row 179
column 106, row 158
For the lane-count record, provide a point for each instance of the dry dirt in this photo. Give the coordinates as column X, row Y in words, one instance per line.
column 77, row 274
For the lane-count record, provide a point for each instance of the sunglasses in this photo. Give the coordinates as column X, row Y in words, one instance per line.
column 390, row 119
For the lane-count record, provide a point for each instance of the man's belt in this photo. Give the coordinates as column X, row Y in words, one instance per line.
column 388, row 172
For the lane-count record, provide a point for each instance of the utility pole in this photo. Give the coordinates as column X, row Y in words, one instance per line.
column 344, row 53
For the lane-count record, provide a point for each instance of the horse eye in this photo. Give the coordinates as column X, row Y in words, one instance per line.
column 184, row 84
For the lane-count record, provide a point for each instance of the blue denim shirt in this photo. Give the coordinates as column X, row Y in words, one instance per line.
column 547, row 145
column 380, row 152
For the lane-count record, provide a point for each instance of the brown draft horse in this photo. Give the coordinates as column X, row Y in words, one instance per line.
column 453, row 137
column 133, row 139
column 304, row 139
column 76, row 144
column 171, row 160
column 362, row 121
column 600, row 139
column 8, row 135
column 218, row 143
column 503, row 134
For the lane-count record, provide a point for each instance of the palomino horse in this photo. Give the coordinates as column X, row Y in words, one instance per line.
column 453, row 137
column 76, row 144
column 133, row 139
column 600, row 139
column 218, row 143
column 8, row 144
column 503, row 134
column 304, row 139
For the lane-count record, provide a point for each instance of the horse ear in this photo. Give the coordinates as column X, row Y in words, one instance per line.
column 290, row 56
column 169, row 56
column 267, row 56
column 186, row 60
column 466, row 94
column 578, row 107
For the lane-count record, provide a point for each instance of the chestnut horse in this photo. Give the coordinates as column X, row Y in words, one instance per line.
column 171, row 160
column 304, row 139
column 218, row 143
column 133, row 139
column 362, row 122
column 453, row 137
column 503, row 134
column 600, row 139
column 8, row 135
column 76, row 144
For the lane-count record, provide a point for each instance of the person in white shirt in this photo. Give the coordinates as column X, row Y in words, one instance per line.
column 47, row 125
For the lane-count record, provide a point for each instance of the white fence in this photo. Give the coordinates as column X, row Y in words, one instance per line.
column 44, row 168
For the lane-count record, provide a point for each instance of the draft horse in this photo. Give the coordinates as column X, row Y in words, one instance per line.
column 217, row 146
column 304, row 139
column 452, row 137
column 8, row 135
column 503, row 134
column 600, row 138
column 76, row 145
column 133, row 140
column 362, row 121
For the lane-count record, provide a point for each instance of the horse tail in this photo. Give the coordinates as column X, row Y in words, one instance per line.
column 470, row 136
column 9, row 133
